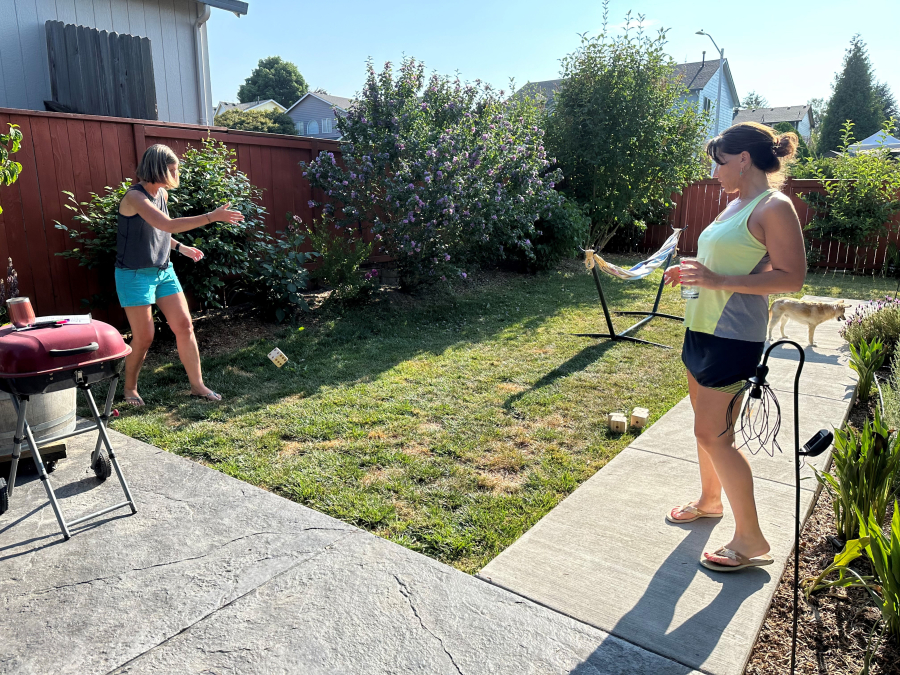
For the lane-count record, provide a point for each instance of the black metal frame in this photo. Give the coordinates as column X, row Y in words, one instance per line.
column 24, row 434
column 648, row 316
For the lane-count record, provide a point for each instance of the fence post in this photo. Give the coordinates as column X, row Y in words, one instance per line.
column 140, row 141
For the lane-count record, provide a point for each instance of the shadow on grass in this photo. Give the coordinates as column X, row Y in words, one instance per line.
column 362, row 343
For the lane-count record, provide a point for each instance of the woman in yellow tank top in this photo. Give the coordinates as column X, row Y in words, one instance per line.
column 753, row 248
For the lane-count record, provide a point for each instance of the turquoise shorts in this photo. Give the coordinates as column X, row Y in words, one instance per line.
column 145, row 286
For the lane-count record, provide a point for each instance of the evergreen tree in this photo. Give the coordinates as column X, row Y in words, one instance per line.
column 276, row 79
column 754, row 100
column 887, row 105
column 853, row 98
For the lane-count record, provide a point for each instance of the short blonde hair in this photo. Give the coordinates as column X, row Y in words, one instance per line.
column 154, row 166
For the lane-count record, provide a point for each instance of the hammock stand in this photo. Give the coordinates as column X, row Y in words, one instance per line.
column 623, row 336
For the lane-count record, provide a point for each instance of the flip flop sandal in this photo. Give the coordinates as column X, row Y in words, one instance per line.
column 696, row 514
column 742, row 561
column 212, row 396
column 134, row 401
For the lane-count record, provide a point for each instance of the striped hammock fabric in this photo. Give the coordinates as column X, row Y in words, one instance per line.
column 639, row 271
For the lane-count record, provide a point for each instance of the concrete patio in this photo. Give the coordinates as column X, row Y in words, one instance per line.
column 213, row 575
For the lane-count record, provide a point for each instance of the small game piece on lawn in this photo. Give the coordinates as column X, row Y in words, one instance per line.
column 618, row 423
column 639, row 417
column 278, row 358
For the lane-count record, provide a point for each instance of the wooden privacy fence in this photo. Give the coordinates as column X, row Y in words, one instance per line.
column 84, row 154
column 702, row 201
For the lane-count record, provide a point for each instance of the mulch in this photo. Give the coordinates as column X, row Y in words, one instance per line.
column 833, row 627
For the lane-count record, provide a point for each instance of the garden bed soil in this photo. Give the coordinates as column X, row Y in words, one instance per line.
column 833, row 627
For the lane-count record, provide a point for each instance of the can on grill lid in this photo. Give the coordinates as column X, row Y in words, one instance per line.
column 20, row 312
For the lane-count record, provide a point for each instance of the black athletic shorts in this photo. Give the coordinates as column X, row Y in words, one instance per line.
column 720, row 363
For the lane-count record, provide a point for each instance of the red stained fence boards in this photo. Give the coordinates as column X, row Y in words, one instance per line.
column 84, row 154
column 702, row 201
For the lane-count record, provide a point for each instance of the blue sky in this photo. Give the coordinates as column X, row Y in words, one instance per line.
column 788, row 58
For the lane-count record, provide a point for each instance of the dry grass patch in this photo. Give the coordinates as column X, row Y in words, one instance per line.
column 510, row 387
column 504, row 456
column 500, row 482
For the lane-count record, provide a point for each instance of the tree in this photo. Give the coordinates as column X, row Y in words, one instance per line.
column 276, row 79
column 853, row 99
column 887, row 104
column 754, row 100
column 267, row 121
column 447, row 173
column 620, row 132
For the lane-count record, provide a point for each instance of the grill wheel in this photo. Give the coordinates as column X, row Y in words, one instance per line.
column 102, row 467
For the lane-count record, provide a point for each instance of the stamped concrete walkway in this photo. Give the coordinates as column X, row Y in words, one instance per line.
column 606, row 555
column 213, row 575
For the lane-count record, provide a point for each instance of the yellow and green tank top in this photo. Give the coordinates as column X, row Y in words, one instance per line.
column 727, row 247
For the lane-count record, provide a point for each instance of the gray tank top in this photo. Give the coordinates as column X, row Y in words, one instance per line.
column 139, row 244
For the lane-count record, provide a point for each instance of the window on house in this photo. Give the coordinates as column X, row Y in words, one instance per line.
column 312, row 128
column 707, row 104
column 326, row 125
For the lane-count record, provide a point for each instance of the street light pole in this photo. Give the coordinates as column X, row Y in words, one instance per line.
column 721, row 74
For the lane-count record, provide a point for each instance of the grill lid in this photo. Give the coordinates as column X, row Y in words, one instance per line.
column 49, row 350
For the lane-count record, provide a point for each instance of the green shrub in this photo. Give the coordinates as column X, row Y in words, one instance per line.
column 891, row 392
column 9, row 169
column 266, row 121
column 874, row 321
column 340, row 255
column 860, row 203
column 864, row 466
column 282, row 273
column 209, row 179
column 559, row 234
column 884, row 552
column 866, row 358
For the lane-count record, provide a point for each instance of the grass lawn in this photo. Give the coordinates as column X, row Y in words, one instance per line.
column 448, row 423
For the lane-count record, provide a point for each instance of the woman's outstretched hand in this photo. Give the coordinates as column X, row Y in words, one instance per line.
column 224, row 214
column 194, row 254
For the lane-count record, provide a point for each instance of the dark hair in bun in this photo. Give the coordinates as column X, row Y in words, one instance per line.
column 768, row 151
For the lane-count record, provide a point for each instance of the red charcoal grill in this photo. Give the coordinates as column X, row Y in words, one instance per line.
column 37, row 360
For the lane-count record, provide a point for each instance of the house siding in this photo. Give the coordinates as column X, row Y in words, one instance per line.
column 169, row 24
column 803, row 128
column 310, row 109
column 726, row 109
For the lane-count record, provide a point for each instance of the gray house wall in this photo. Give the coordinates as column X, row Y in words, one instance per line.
column 170, row 25
column 726, row 107
column 312, row 108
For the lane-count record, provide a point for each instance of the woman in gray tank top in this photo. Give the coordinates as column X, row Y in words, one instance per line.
column 144, row 274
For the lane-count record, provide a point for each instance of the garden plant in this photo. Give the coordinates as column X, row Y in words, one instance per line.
column 617, row 165
column 446, row 173
column 9, row 168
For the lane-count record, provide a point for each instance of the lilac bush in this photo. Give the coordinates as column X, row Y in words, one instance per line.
column 877, row 320
column 447, row 173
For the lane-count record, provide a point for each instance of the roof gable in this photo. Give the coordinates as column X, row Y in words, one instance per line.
column 337, row 101
column 791, row 113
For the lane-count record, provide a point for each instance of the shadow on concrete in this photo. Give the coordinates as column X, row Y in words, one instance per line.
column 647, row 624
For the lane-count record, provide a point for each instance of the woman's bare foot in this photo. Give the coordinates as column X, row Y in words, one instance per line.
column 134, row 399
column 205, row 393
column 745, row 547
column 687, row 513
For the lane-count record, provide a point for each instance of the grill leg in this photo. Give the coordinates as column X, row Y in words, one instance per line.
column 42, row 474
column 108, row 409
column 20, row 407
column 101, row 427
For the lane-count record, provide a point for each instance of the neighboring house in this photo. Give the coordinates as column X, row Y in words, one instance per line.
column 701, row 79
column 315, row 114
column 176, row 30
column 261, row 106
column 798, row 116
